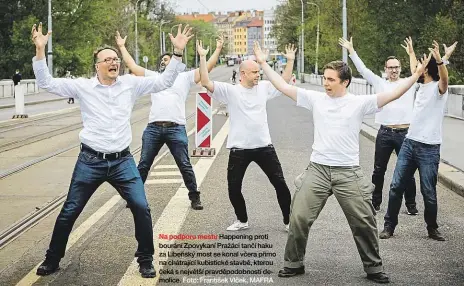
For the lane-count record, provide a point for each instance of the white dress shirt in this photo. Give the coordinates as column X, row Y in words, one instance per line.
column 169, row 104
column 396, row 112
column 106, row 110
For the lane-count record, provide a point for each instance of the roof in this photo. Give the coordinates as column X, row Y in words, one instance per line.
column 255, row 23
column 196, row 17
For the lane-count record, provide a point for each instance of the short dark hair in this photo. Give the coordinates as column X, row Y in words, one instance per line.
column 99, row 49
column 391, row 58
column 162, row 56
column 343, row 69
column 432, row 69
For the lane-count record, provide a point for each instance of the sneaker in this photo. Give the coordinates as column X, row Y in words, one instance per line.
column 412, row 210
column 290, row 272
column 436, row 235
column 196, row 204
column 147, row 270
column 378, row 277
column 238, row 225
column 287, row 227
column 377, row 208
column 47, row 268
column 386, row 233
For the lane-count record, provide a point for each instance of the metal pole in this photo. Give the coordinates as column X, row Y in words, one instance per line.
column 136, row 35
column 164, row 42
column 345, row 34
column 196, row 52
column 317, row 36
column 302, row 38
column 161, row 40
column 49, row 44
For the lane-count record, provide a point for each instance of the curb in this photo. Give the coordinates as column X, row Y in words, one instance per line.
column 32, row 102
column 449, row 176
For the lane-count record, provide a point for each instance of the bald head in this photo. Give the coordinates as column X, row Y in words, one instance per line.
column 249, row 73
column 248, row 65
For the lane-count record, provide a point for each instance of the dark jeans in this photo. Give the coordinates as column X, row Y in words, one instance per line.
column 387, row 141
column 415, row 155
column 89, row 173
column 154, row 137
column 266, row 158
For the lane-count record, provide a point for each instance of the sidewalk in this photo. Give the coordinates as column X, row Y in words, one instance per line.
column 30, row 99
column 451, row 169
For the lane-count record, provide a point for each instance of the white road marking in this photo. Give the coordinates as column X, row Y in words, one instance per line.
column 31, row 277
column 166, row 173
column 165, row 167
column 163, row 181
column 173, row 216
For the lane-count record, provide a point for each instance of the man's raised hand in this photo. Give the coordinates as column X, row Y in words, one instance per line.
column 181, row 39
column 290, row 52
column 346, row 44
column 422, row 64
column 220, row 41
column 39, row 39
column 435, row 51
column 449, row 50
column 408, row 46
column 120, row 41
column 261, row 56
column 201, row 51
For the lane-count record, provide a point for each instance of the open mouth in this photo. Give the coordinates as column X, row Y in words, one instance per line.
column 113, row 70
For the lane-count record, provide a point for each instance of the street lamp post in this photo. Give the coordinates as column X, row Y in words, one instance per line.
column 345, row 34
column 302, row 38
column 136, row 35
column 49, row 44
column 162, row 45
column 317, row 36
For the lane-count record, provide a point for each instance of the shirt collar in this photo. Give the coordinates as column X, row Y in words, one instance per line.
column 96, row 82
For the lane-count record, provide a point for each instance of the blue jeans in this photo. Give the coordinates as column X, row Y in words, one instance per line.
column 388, row 140
column 154, row 137
column 424, row 157
column 89, row 173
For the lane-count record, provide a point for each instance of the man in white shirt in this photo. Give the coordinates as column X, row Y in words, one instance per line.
column 421, row 148
column 106, row 103
column 394, row 120
column 334, row 163
column 166, row 124
column 249, row 139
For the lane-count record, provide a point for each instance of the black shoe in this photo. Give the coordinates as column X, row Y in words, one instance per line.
column 436, row 235
column 386, row 233
column 127, row 206
column 196, row 204
column 290, row 272
column 412, row 210
column 378, row 277
column 147, row 270
column 377, row 208
column 47, row 268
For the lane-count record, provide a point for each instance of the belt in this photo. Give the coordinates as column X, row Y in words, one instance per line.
column 397, row 130
column 106, row 156
column 165, row 123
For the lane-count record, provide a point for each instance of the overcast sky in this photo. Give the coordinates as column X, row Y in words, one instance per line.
column 222, row 5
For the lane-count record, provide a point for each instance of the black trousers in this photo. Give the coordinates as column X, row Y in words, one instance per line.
column 389, row 139
column 267, row 160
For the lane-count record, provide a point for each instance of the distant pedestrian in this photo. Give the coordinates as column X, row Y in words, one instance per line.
column 71, row 99
column 16, row 80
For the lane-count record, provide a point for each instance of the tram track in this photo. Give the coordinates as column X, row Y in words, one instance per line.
column 30, row 220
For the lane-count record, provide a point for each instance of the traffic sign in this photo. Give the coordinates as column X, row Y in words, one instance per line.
column 203, row 126
column 145, row 59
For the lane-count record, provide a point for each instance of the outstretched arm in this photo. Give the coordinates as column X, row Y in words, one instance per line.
column 211, row 63
column 205, row 81
column 290, row 55
column 387, row 97
column 128, row 60
column 59, row 86
column 442, row 70
column 412, row 56
column 366, row 73
column 278, row 82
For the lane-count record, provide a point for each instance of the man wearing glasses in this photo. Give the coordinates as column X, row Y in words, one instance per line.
column 106, row 103
column 394, row 120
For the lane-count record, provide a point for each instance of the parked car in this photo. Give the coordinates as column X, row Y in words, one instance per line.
column 230, row 62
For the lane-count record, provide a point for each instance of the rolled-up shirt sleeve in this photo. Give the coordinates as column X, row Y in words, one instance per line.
column 220, row 91
column 156, row 82
column 64, row 87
